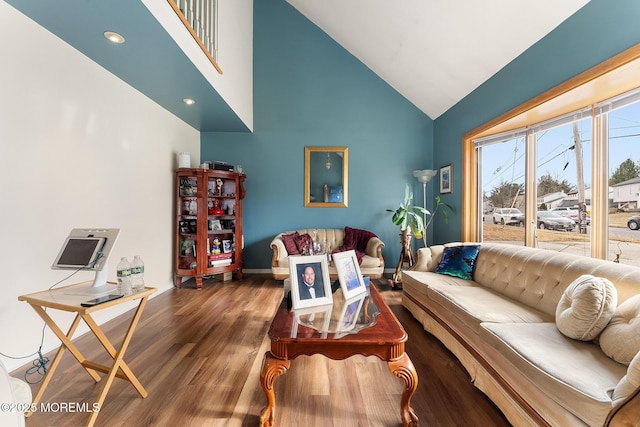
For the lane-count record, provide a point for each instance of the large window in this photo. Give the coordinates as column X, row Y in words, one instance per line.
column 622, row 118
column 569, row 182
column 502, row 182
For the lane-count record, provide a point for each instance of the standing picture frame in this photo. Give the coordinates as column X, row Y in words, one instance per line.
column 215, row 225
column 446, row 179
column 311, row 268
column 349, row 274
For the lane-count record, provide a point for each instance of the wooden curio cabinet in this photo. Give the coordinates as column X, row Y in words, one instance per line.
column 208, row 223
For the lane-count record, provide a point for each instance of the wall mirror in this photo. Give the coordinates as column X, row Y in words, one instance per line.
column 326, row 172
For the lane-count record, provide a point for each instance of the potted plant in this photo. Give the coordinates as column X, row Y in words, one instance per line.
column 409, row 218
column 446, row 210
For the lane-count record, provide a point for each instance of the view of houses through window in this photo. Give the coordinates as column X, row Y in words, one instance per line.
column 562, row 179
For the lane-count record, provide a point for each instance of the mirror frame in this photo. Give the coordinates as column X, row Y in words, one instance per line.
column 341, row 151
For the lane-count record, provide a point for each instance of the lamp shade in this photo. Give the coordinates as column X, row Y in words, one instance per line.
column 424, row 175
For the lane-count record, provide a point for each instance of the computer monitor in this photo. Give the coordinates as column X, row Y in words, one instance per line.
column 88, row 249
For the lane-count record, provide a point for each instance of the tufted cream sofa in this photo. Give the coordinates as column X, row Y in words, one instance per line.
column 502, row 327
column 372, row 263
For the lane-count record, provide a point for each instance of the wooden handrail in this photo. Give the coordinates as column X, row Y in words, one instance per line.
column 200, row 17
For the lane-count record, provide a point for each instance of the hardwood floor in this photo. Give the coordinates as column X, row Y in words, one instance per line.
column 198, row 353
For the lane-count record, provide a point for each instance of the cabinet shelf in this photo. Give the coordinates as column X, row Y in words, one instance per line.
column 197, row 192
column 223, row 231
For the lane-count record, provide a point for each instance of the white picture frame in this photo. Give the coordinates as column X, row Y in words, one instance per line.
column 300, row 293
column 349, row 274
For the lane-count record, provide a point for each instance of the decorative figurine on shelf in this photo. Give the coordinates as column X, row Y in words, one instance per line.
column 219, row 187
column 215, row 208
column 216, row 246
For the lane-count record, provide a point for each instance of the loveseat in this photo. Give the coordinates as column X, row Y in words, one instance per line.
column 551, row 338
column 367, row 245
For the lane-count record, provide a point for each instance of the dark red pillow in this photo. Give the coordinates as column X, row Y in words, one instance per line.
column 304, row 242
column 290, row 243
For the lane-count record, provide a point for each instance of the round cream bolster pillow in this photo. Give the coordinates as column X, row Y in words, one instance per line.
column 586, row 307
column 620, row 340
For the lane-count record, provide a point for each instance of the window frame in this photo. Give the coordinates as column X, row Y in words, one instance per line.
column 604, row 81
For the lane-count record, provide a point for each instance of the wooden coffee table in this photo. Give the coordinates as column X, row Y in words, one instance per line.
column 385, row 339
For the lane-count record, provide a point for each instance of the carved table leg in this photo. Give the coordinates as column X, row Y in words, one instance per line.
column 272, row 368
column 403, row 368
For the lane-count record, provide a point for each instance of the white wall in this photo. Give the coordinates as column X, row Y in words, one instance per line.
column 235, row 51
column 78, row 148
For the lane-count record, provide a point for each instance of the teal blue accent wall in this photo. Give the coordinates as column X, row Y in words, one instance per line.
column 598, row 31
column 309, row 91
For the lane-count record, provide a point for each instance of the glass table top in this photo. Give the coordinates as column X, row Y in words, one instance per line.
column 341, row 318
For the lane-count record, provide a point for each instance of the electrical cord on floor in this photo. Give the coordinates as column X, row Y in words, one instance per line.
column 39, row 367
column 40, row 363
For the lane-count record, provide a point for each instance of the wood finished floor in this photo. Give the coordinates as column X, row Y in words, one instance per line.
column 198, row 353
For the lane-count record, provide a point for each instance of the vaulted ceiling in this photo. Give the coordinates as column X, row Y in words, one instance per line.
column 436, row 52
column 433, row 52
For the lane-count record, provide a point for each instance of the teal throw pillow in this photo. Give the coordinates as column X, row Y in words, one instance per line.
column 458, row 261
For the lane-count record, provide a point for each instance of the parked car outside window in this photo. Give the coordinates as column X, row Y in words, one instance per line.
column 574, row 214
column 554, row 221
column 634, row 222
column 508, row 216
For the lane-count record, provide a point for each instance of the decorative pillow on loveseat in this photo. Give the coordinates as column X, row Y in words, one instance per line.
column 620, row 340
column 296, row 243
column 586, row 307
column 458, row 261
column 290, row 243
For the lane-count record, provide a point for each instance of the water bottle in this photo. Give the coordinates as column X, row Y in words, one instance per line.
column 137, row 274
column 124, row 276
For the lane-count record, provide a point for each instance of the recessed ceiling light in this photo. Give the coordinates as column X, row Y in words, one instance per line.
column 189, row 101
column 114, row 37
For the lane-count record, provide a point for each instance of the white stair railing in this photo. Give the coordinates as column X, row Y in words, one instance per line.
column 200, row 17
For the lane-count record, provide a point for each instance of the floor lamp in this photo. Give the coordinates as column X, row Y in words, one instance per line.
column 424, row 176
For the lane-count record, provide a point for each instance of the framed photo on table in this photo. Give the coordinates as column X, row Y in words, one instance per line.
column 310, row 283
column 349, row 274
column 446, row 179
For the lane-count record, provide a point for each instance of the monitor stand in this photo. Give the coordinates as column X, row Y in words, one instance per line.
column 98, row 288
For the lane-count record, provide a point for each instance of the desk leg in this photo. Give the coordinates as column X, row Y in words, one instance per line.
column 403, row 368
column 272, row 368
column 117, row 355
column 66, row 344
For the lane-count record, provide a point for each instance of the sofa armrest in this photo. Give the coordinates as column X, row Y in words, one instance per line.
column 429, row 257
column 423, row 260
column 627, row 413
column 374, row 249
column 279, row 250
column 626, row 397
